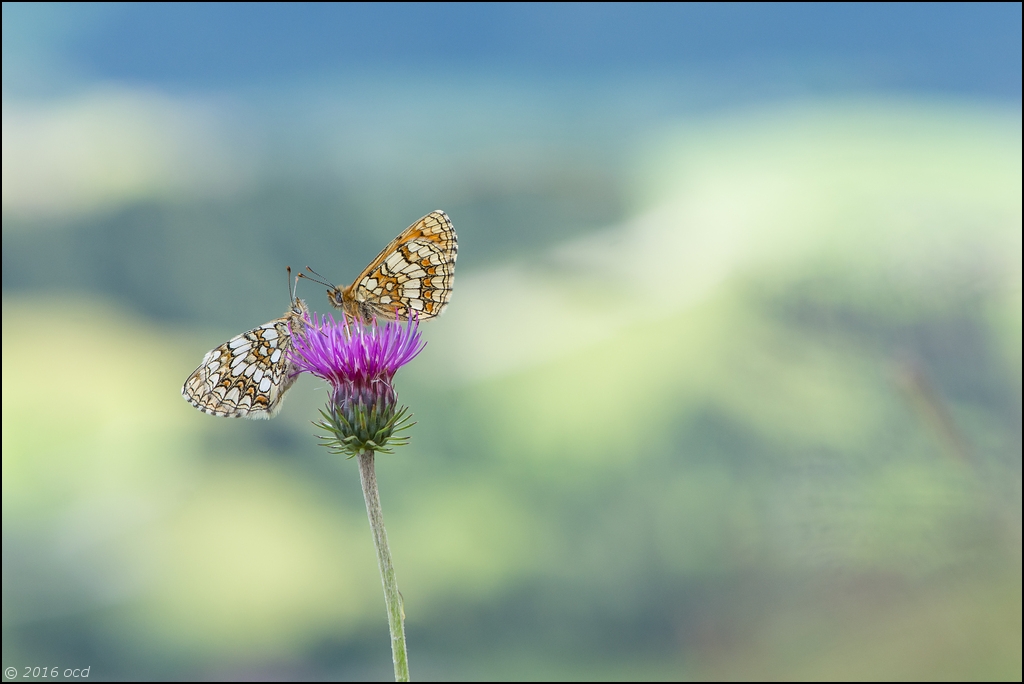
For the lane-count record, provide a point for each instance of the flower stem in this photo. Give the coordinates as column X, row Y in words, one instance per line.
column 392, row 598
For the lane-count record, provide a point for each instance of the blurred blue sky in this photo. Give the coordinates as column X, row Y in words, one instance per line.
column 956, row 49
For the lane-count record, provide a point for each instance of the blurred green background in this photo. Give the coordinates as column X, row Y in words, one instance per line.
column 729, row 387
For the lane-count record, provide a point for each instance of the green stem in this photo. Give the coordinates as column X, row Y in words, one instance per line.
column 392, row 598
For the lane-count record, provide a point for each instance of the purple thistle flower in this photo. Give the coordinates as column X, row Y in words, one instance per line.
column 359, row 360
column 351, row 351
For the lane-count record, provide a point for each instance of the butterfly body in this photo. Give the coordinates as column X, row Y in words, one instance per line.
column 413, row 275
column 248, row 375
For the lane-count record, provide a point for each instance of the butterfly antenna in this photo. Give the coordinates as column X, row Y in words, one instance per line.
column 318, row 279
column 291, row 288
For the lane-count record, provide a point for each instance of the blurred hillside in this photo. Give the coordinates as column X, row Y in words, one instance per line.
column 162, row 207
column 777, row 404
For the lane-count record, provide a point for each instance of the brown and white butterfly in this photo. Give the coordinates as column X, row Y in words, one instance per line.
column 248, row 375
column 412, row 275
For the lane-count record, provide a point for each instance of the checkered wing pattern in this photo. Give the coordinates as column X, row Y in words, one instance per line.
column 412, row 275
column 248, row 375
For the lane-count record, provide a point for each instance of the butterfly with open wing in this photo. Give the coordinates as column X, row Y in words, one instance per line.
column 413, row 275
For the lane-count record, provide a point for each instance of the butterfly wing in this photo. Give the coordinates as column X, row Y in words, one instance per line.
column 413, row 274
column 248, row 375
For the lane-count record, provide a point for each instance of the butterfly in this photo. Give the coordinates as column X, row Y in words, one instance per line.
column 411, row 276
column 248, row 375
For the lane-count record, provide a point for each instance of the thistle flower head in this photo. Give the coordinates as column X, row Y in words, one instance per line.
column 359, row 360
